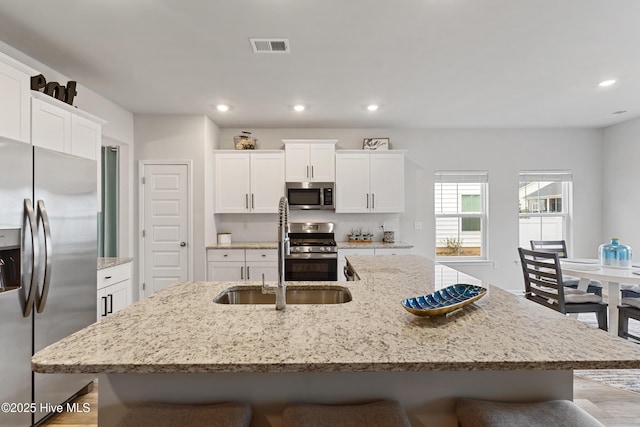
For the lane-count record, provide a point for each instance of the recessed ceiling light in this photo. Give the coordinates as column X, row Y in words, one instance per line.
column 372, row 107
column 299, row 108
column 222, row 107
column 606, row 83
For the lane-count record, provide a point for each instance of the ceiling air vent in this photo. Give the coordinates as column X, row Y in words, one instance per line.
column 270, row 45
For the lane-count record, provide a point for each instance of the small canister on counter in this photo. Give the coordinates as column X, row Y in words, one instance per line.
column 388, row 237
column 224, row 238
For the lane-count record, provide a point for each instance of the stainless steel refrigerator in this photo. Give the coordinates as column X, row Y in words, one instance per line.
column 48, row 224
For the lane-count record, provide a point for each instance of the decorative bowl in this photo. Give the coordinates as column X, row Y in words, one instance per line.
column 444, row 300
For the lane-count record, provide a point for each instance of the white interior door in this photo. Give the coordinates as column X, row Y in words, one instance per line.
column 166, row 213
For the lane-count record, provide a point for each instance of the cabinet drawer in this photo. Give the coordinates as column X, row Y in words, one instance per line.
column 225, row 255
column 109, row 276
column 261, row 255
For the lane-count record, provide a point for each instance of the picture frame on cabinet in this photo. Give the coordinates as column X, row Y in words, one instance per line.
column 375, row 144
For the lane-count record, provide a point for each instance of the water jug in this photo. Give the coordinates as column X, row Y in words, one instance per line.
column 615, row 254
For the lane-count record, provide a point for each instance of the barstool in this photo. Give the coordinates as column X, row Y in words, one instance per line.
column 377, row 414
column 170, row 415
column 560, row 413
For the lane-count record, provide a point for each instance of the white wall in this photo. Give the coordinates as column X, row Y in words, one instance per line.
column 182, row 137
column 621, row 181
column 502, row 152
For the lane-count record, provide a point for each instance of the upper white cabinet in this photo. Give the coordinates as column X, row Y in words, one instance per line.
column 370, row 181
column 249, row 181
column 310, row 160
column 15, row 99
column 58, row 126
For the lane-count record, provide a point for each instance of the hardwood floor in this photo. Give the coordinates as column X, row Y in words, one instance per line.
column 612, row 406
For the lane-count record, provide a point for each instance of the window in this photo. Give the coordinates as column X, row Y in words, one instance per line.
column 544, row 204
column 461, row 214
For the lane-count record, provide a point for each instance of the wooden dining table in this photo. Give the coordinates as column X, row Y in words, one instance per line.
column 590, row 269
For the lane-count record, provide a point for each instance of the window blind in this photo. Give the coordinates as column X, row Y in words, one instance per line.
column 461, row 176
column 546, row 176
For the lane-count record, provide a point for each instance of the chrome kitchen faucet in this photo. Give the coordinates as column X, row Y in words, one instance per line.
column 283, row 250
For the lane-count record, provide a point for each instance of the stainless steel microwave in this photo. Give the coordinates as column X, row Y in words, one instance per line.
column 310, row 195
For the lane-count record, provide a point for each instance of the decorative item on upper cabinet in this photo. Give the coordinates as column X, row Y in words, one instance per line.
column 615, row 254
column 245, row 141
column 375, row 144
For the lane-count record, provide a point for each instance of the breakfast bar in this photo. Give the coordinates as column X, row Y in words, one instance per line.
column 179, row 346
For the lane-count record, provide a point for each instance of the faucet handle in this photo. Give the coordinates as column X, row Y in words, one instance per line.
column 266, row 289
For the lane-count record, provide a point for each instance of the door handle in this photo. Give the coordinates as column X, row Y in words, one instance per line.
column 183, row 244
column 104, row 306
column 241, row 273
column 29, row 224
column 312, row 175
column 367, row 200
column 373, row 201
column 307, row 171
column 253, row 204
column 248, row 273
column 246, row 201
column 46, row 282
column 110, row 297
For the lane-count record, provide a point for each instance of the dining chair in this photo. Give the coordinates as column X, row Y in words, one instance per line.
column 542, row 279
column 628, row 309
column 560, row 247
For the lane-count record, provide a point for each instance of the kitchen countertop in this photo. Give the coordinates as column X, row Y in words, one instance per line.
column 341, row 245
column 181, row 329
column 111, row 262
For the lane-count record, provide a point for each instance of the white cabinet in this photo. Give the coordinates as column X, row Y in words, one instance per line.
column 236, row 265
column 15, row 99
column 114, row 290
column 248, row 182
column 310, row 160
column 369, row 182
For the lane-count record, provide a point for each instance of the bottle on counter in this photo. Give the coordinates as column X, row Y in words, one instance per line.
column 615, row 254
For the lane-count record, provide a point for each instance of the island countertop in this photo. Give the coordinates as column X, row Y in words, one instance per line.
column 181, row 329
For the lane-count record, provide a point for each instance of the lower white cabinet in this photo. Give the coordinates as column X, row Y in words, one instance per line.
column 114, row 290
column 237, row 265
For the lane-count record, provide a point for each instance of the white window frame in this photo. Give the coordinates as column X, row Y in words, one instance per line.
column 461, row 177
column 566, row 178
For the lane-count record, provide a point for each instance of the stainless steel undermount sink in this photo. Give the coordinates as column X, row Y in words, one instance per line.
column 295, row 295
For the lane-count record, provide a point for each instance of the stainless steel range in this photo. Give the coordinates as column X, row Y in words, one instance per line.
column 314, row 254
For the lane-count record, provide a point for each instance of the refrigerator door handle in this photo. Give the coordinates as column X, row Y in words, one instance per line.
column 29, row 227
column 44, row 218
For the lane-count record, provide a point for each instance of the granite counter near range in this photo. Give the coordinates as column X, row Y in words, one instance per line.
column 340, row 245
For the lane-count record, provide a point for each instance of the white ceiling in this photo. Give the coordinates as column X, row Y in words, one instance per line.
column 428, row 63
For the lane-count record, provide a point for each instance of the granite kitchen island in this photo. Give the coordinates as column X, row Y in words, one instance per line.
column 180, row 346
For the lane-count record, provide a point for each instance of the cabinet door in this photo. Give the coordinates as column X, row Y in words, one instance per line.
column 352, row 183
column 50, row 126
column 226, row 271
column 322, row 161
column 267, row 181
column 255, row 270
column 232, row 183
column 15, row 117
column 387, row 183
column 297, row 162
column 85, row 138
column 114, row 298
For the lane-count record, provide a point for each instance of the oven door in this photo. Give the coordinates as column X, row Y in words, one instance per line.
column 306, row 267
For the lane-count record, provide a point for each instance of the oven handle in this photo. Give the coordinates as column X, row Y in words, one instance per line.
column 314, row 255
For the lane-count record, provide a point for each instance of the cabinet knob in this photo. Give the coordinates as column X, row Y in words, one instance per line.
column 183, row 244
